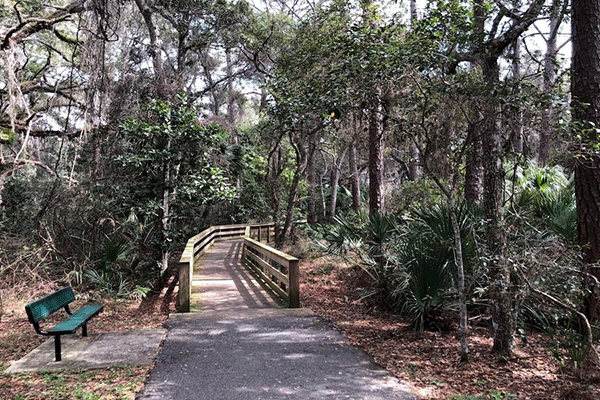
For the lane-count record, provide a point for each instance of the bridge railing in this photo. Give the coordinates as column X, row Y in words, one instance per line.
column 275, row 268
column 199, row 243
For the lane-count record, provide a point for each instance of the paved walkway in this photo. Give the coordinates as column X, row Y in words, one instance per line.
column 239, row 345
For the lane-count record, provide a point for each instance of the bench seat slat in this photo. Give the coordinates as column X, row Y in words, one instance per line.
column 76, row 320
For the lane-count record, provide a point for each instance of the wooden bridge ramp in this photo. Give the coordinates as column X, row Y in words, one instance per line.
column 220, row 282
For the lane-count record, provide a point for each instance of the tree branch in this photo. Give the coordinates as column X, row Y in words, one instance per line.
column 30, row 26
column 499, row 44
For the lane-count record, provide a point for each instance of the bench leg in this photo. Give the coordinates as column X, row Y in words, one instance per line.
column 84, row 330
column 57, row 348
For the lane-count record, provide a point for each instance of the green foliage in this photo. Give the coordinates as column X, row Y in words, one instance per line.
column 7, row 135
column 491, row 395
column 380, row 229
column 550, row 195
column 563, row 331
column 424, row 281
column 426, row 260
column 411, row 262
column 123, row 265
column 444, row 25
column 344, row 235
column 20, row 203
column 168, row 153
column 246, row 166
column 333, row 62
column 424, row 192
column 368, row 238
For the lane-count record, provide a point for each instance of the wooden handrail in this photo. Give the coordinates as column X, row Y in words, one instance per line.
column 275, row 268
column 199, row 243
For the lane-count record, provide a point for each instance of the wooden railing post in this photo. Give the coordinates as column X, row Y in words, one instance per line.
column 294, row 284
column 185, row 284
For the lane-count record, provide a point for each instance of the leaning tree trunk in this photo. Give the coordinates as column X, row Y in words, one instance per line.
column 585, row 104
column 273, row 181
column 283, row 235
column 462, row 293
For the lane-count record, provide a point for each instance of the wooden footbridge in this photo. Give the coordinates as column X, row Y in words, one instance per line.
column 214, row 269
column 239, row 346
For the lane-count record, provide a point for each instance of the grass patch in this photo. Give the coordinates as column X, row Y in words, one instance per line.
column 491, row 395
column 117, row 383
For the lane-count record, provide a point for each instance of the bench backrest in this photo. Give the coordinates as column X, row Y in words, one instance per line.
column 45, row 306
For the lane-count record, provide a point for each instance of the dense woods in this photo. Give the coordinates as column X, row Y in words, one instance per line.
column 447, row 148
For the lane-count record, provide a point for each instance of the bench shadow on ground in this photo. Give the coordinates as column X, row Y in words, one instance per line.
column 98, row 350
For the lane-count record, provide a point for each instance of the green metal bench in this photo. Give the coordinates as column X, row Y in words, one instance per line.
column 42, row 308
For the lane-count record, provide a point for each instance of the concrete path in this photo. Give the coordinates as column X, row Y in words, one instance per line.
column 239, row 346
column 98, row 350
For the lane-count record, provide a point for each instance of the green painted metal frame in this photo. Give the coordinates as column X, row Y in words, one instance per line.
column 61, row 299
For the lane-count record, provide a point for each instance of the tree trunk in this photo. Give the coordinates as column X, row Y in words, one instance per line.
column 413, row 10
column 516, row 114
column 414, row 166
column 311, row 177
column 170, row 176
column 284, row 234
column 474, row 167
column 546, row 129
column 301, row 159
column 231, row 113
column 585, row 104
column 462, row 296
column 495, row 227
column 376, row 154
column 354, row 177
column 335, row 183
column 375, row 112
column 154, row 49
column 206, row 61
column 474, row 163
column 274, row 186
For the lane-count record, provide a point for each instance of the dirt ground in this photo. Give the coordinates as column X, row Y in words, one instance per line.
column 430, row 361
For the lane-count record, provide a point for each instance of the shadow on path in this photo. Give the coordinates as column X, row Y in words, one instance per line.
column 239, row 346
column 222, row 284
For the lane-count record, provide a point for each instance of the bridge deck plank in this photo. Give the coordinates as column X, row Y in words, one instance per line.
column 221, row 283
